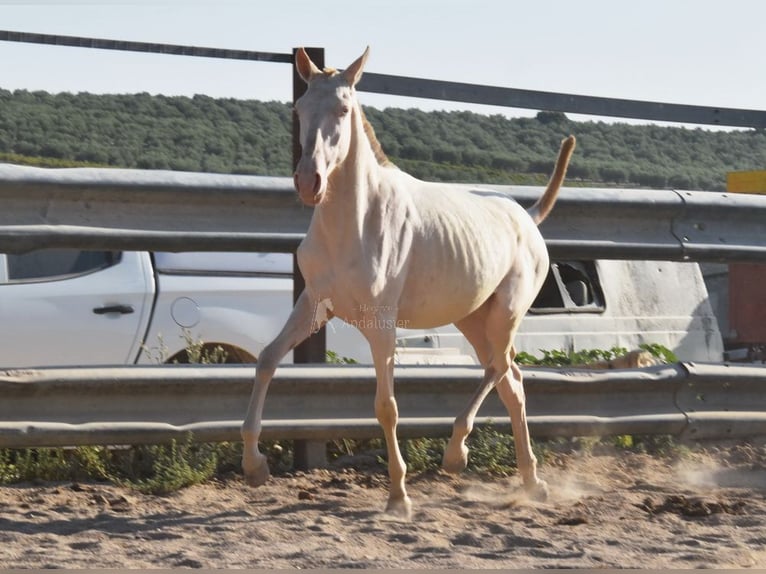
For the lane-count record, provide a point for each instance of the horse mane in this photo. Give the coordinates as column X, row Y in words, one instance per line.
column 377, row 149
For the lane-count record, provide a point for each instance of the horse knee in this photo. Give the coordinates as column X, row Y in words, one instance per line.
column 386, row 411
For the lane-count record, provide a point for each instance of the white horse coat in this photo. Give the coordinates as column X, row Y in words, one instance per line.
column 384, row 250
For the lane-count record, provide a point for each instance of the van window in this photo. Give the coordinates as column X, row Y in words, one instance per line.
column 51, row 264
column 571, row 286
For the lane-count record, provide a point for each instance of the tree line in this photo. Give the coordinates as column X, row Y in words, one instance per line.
column 253, row 137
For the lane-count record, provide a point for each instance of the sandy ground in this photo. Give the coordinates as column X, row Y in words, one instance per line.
column 605, row 510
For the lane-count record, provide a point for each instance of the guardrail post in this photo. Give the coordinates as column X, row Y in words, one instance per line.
column 307, row 454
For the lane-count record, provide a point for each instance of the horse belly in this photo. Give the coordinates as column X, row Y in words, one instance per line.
column 441, row 295
column 459, row 263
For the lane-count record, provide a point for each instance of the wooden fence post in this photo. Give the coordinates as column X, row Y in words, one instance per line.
column 307, row 454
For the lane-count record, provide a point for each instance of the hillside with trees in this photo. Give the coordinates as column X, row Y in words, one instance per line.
column 252, row 137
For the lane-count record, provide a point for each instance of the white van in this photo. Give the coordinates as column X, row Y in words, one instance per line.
column 70, row 307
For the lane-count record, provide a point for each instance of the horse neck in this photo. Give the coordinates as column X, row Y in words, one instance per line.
column 352, row 187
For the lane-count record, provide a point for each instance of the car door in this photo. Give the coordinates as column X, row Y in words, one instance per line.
column 70, row 307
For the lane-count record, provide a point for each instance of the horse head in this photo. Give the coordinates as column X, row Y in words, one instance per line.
column 324, row 114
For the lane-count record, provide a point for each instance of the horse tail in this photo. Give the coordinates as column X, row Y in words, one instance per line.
column 543, row 206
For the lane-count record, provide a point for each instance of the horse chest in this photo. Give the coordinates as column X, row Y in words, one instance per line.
column 346, row 278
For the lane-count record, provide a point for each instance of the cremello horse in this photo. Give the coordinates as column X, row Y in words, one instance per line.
column 385, row 249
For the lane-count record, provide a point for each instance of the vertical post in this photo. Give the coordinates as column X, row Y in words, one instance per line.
column 307, row 454
column 313, row 349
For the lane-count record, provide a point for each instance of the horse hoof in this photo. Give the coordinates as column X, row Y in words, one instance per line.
column 400, row 508
column 538, row 490
column 455, row 463
column 257, row 476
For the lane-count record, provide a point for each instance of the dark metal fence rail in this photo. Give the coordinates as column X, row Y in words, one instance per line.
column 146, row 47
column 556, row 102
column 443, row 90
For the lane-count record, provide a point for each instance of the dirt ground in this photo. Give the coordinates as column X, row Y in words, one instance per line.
column 605, row 510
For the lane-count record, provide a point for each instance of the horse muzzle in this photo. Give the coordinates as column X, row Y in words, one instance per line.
column 311, row 187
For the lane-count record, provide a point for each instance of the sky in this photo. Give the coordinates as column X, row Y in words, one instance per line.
column 704, row 52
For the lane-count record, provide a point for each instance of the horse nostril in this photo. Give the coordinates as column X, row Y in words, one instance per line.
column 317, row 183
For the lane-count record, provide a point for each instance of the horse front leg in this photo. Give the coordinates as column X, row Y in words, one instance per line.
column 382, row 342
column 298, row 327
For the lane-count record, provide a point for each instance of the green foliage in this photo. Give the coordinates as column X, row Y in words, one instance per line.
column 53, row 464
column 491, row 452
column 251, row 137
column 161, row 469
column 665, row 446
column 423, row 454
column 560, row 358
column 151, row 469
column 335, row 358
column 659, row 445
column 660, row 351
column 196, row 351
column 624, row 441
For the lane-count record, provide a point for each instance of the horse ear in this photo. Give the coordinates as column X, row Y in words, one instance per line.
column 354, row 72
column 306, row 68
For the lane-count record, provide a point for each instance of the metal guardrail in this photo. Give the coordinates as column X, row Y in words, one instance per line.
column 133, row 405
column 94, row 208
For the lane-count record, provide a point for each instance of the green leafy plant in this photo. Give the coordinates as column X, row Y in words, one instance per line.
column 196, row 351
column 561, row 358
column 423, row 454
column 660, row 351
column 53, row 464
column 491, row 451
column 336, row 359
column 161, row 469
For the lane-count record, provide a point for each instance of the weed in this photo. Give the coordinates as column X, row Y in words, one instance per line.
column 53, row 464
column 660, row 351
column 423, row 454
column 560, row 358
column 336, row 359
column 623, row 441
column 491, row 452
column 196, row 351
column 170, row 467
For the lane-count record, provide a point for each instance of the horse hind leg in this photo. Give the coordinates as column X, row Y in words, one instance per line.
column 510, row 388
column 513, row 299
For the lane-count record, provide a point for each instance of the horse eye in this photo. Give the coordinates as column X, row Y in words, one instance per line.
column 344, row 110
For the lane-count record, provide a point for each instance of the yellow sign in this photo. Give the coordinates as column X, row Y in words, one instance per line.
column 746, row 181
